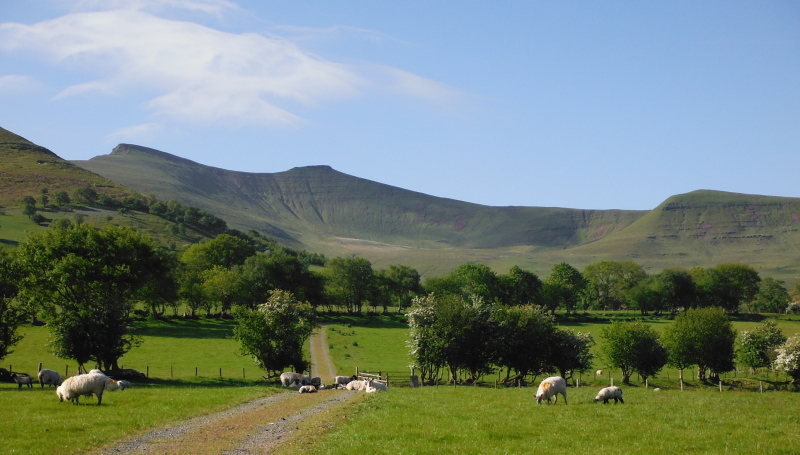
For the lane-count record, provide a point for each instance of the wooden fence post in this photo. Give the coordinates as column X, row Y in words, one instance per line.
column 195, row 371
column 66, row 371
column 170, row 371
column 40, row 366
column 220, row 372
column 243, row 376
column 148, row 371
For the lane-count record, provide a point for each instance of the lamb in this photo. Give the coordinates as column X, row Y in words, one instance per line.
column 551, row 387
column 357, row 385
column 376, row 385
column 316, row 382
column 343, row 380
column 85, row 384
column 123, row 384
column 49, row 377
column 307, row 389
column 609, row 393
column 23, row 379
column 598, row 373
column 370, row 389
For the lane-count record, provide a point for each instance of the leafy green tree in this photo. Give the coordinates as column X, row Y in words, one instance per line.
column 743, row 279
column 350, row 282
column 84, row 195
column 225, row 251
column 10, row 315
column 274, row 333
column 223, row 286
column 525, row 335
column 646, row 296
column 567, row 284
column 92, row 277
column 704, row 337
column 478, row 280
column 676, row 289
column 772, row 296
column 453, row 332
column 520, row 287
column 571, row 351
column 633, row 347
column 400, row 284
column 757, row 347
column 61, row 198
column 609, row 281
column 262, row 273
column 788, row 358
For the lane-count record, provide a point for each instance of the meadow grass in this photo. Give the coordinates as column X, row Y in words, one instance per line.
column 36, row 422
column 507, row 420
column 171, row 348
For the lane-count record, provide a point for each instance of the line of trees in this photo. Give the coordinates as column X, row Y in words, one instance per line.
column 89, row 284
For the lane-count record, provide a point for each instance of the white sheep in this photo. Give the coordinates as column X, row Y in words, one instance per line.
column 86, row 384
column 598, row 373
column 656, row 389
column 288, row 378
column 307, row 389
column 123, row 384
column 357, row 385
column 23, row 379
column 551, row 387
column 49, row 377
column 377, row 385
column 609, row 393
column 343, row 380
column 370, row 389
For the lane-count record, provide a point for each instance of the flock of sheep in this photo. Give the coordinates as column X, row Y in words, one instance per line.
column 95, row 382
column 307, row 384
column 552, row 386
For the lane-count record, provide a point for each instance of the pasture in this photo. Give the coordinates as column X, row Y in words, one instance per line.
column 444, row 419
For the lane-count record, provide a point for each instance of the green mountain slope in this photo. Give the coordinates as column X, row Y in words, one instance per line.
column 26, row 168
column 307, row 205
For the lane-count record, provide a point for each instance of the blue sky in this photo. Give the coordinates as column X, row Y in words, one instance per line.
column 592, row 105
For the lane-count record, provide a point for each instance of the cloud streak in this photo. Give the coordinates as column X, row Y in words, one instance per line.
column 190, row 73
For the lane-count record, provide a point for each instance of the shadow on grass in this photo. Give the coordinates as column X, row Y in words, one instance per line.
column 376, row 321
column 201, row 328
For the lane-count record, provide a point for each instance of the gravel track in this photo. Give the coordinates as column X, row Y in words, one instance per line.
column 262, row 438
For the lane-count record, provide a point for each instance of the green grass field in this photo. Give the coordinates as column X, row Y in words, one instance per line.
column 442, row 419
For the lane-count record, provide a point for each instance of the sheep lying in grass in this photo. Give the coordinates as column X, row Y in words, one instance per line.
column 307, row 389
column 343, row 380
column 376, row 385
column 49, row 377
column 609, row 393
column 357, row 385
column 22, row 379
column 86, row 384
column 551, row 387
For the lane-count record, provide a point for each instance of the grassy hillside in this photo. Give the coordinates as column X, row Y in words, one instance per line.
column 317, row 204
column 26, row 169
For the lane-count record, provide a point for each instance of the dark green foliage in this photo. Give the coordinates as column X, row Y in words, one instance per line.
column 525, row 336
column 350, row 283
column 633, row 347
column 609, row 281
column 571, row 352
column 520, row 287
column 704, row 337
column 274, row 333
column 564, row 286
column 771, row 297
column 10, row 315
column 92, row 277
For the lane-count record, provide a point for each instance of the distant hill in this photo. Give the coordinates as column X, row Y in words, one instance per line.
column 305, row 204
column 320, row 209
column 27, row 169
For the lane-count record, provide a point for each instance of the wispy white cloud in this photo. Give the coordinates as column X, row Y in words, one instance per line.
column 196, row 74
column 17, row 83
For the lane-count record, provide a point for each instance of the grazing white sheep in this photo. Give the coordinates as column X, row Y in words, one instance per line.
column 49, row 377
column 343, row 380
column 551, row 387
column 656, row 389
column 598, row 373
column 96, row 371
column 377, row 385
column 21, row 380
column 357, row 385
column 288, row 378
column 123, row 384
column 609, row 393
column 307, row 389
column 85, row 384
